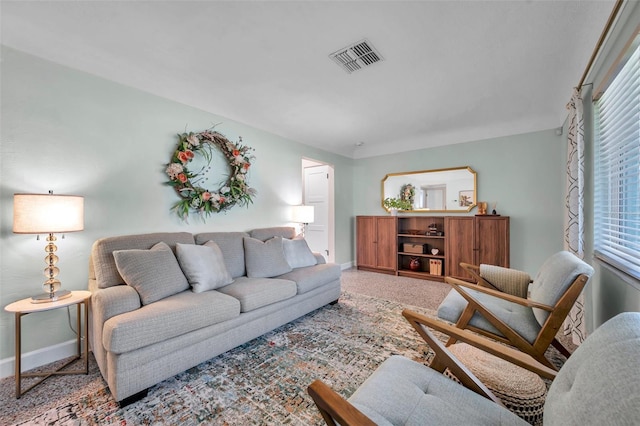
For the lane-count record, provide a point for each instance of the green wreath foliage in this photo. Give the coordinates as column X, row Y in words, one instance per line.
column 194, row 198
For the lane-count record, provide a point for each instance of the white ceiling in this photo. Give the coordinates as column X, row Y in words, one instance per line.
column 453, row 71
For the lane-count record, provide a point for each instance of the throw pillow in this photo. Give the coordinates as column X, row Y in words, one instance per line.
column 203, row 266
column 265, row 259
column 154, row 273
column 298, row 253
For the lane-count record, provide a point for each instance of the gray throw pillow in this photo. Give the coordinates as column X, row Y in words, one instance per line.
column 298, row 253
column 265, row 259
column 203, row 266
column 155, row 273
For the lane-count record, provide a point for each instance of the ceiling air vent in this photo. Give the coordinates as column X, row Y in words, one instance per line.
column 357, row 56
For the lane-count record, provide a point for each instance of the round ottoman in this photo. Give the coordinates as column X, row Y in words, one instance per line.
column 521, row 391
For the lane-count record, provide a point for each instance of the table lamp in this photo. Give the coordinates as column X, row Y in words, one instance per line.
column 48, row 214
column 304, row 215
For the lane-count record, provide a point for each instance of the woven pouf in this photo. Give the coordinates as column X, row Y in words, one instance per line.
column 521, row 391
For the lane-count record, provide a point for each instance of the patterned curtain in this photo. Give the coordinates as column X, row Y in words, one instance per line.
column 574, row 216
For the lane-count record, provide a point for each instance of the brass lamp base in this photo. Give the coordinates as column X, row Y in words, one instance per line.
column 51, row 297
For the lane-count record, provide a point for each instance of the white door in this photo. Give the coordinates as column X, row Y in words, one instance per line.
column 317, row 193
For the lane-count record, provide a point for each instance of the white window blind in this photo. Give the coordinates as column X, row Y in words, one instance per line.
column 617, row 169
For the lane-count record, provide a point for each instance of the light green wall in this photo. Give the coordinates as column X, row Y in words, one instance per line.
column 75, row 133
column 523, row 173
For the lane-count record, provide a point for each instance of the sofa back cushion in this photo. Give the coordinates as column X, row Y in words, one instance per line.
column 154, row 273
column 102, row 265
column 264, row 234
column 232, row 248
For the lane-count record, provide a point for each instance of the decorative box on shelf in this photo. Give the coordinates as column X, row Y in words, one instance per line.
column 435, row 266
column 414, row 248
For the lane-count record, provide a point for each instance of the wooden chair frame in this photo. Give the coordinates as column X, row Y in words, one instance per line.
column 334, row 408
column 547, row 334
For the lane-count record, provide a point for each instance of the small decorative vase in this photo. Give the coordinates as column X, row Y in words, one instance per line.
column 414, row 265
column 394, row 212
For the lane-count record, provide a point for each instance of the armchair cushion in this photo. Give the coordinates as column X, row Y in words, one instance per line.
column 562, row 266
column 518, row 317
column 600, row 382
column 404, row 392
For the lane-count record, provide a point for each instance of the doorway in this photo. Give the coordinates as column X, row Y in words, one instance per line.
column 318, row 191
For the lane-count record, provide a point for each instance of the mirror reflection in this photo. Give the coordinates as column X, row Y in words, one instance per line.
column 443, row 190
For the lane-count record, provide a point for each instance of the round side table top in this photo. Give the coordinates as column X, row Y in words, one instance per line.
column 26, row 306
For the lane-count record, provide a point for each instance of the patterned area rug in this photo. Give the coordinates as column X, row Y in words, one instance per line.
column 265, row 380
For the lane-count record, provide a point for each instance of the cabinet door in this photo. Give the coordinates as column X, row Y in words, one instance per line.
column 492, row 240
column 366, row 241
column 386, row 243
column 459, row 236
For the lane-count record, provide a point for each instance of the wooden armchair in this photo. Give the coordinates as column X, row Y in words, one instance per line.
column 595, row 386
column 334, row 408
column 531, row 323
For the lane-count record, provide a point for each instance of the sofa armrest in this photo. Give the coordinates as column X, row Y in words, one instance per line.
column 109, row 302
column 320, row 258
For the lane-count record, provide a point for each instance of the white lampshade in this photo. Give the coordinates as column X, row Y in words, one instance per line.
column 47, row 213
column 303, row 214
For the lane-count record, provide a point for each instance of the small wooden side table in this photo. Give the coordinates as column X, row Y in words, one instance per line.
column 24, row 307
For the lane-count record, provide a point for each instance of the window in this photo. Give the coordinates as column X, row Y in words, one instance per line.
column 617, row 169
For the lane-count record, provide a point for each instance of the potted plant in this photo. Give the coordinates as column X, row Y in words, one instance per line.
column 395, row 204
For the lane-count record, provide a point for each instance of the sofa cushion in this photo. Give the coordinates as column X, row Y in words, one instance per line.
column 232, row 248
column 102, row 266
column 312, row 277
column 203, row 266
column 254, row 293
column 167, row 318
column 297, row 253
column 265, row 259
column 264, row 234
column 154, row 273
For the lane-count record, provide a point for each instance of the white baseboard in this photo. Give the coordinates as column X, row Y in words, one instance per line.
column 347, row 265
column 38, row 357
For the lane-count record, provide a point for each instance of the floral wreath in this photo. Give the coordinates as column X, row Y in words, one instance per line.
column 195, row 198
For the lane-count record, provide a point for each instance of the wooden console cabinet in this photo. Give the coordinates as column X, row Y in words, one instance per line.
column 376, row 243
column 431, row 247
column 477, row 239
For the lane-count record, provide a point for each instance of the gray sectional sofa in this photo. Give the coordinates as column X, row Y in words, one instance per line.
column 164, row 302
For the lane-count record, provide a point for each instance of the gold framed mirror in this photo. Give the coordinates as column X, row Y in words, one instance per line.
column 452, row 190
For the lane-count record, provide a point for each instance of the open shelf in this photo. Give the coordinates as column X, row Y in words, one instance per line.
column 416, row 237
